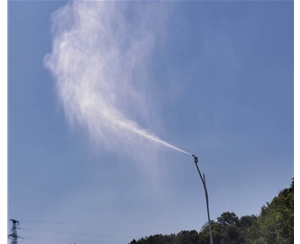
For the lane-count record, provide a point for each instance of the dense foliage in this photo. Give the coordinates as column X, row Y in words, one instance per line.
column 274, row 225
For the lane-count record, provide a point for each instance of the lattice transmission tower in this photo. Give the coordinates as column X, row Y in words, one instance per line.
column 14, row 235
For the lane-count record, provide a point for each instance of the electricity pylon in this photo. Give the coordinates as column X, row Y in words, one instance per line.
column 14, row 235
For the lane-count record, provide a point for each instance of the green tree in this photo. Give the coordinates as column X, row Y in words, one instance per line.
column 228, row 218
column 187, row 237
column 275, row 224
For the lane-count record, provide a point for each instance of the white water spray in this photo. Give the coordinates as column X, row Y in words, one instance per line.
column 150, row 137
column 99, row 60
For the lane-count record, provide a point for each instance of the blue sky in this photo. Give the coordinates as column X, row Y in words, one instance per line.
column 215, row 79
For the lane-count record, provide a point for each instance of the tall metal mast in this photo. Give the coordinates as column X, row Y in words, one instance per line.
column 202, row 177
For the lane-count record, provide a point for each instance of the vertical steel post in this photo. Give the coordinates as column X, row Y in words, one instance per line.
column 206, row 196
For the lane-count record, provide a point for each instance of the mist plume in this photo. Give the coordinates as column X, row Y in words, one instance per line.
column 99, row 60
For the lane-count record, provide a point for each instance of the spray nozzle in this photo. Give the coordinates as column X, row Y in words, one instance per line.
column 195, row 158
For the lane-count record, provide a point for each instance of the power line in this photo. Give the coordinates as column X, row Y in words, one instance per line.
column 106, row 222
column 67, row 241
column 71, row 239
column 62, row 232
column 64, row 242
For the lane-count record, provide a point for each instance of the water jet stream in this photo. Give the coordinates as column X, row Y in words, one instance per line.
column 145, row 134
